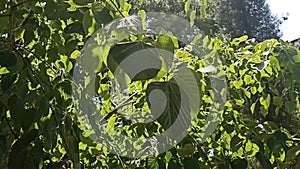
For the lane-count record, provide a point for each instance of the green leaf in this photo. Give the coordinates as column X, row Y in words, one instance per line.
column 28, row 36
column 70, row 139
column 75, row 54
column 17, row 110
column 75, row 27
column 253, row 90
column 7, row 59
column 101, row 14
column 275, row 62
column 29, row 117
column 248, row 79
column 236, row 143
column 264, row 161
column 142, row 15
column 87, row 22
column 265, row 101
column 43, row 109
column 82, row 2
column 164, row 99
column 252, row 108
column 297, row 57
column 239, row 164
column 187, row 6
column 8, row 81
column 18, row 155
column 292, row 153
column 203, row 9
column 165, row 42
column 3, row 70
column 193, row 17
column 134, row 59
column 228, row 128
column 276, row 142
column 3, row 23
column 237, row 41
column 187, row 150
column 50, row 134
column 174, row 165
column 237, row 83
column 190, row 162
column 278, row 101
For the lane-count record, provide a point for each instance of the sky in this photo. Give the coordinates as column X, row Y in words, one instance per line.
column 291, row 27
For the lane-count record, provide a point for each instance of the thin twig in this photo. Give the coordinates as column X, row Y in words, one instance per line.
column 10, row 128
column 26, row 19
column 34, row 74
column 35, row 55
column 115, row 110
column 115, row 5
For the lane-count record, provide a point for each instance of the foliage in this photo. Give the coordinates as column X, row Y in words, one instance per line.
column 40, row 127
column 233, row 17
column 248, row 17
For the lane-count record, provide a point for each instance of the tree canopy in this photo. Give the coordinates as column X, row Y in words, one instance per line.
column 247, row 17
column 233, row 17
column 74, row 91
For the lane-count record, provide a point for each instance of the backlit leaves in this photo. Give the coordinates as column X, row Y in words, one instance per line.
column 39, row 127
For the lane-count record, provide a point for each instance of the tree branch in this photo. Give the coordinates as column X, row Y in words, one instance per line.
column 115, row 110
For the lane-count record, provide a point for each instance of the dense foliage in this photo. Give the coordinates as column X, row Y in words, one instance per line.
column 233, row 17
column 40, row 125
column 248, row 17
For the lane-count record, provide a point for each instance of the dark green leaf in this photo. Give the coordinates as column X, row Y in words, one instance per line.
column 17, row 110
column 138, row 60
column 239, row 164
column 7, row 59
column 43, row 109
column 29, row 117
column 174, row 165
column 70, row 140
column 229, row 128
column 82, row 2
column 3, row 147
column 190, row 162
column 87, row 22
column 18, row 154
column 28, row 36
column 3, row 24
column 50, row 134
column 264, row 161
column 75, row 27
column 161, row 164
column 164, row 99
column 101, row 14
column 236, row 143
column 8, row 81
